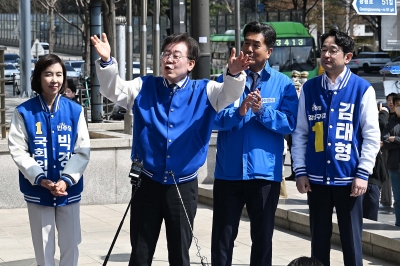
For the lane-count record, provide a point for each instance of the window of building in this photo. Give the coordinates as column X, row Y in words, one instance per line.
column 368, row 29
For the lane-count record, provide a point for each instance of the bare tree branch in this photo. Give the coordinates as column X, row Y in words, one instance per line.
column 228, row 6
column 49, row 6
column 80, row 28
column 311, row 8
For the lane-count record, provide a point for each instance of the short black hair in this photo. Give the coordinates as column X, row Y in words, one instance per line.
column 265, row 29
column 192, row 45
column 41, row 65
column 305, row 261
column 392, row 94
column 341, row 39
column 71, row 85
column 396, row 98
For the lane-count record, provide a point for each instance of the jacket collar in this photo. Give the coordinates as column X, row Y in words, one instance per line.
column 345, row 76
column 265, row 74
column 45, row 107
column 181, row 84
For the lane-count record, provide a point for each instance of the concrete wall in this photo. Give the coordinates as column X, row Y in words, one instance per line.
column 106, row 177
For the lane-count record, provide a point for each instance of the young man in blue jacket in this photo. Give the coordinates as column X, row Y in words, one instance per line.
column 334, row 148
column 249, row 152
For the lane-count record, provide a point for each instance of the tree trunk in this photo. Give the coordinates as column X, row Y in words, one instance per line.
column 86, row 37
column 51, row 30
column 109, row 25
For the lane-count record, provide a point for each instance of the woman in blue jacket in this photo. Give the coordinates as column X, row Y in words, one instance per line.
column 49, row 142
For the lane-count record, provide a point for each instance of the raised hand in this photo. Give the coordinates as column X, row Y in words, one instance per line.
column 237, row 64
column 102, row 47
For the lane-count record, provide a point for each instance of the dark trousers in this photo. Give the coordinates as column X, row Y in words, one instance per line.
column 261, row 198
column 386, row 191
column 289, row 141
column 349, row 214
column 154, row 203
column 371, row 202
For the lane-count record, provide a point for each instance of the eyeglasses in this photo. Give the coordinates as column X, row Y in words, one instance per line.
column 332, row 52
column 175, row 57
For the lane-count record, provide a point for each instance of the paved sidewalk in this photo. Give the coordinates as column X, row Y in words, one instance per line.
column 100, row 222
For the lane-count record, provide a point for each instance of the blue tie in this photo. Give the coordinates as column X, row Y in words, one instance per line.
column 255, row 78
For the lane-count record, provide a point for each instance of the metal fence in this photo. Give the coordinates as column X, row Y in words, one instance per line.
column 68, row 39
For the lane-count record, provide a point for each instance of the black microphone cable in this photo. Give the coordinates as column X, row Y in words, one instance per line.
column 203, row 259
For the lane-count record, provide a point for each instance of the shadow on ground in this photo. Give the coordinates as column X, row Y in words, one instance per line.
column 27, row 262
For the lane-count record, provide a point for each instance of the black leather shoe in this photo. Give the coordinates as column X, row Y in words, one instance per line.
column 291, row 177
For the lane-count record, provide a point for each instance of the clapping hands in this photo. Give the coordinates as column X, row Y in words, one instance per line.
column 253, row 101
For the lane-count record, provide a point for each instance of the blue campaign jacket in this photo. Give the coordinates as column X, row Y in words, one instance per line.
column 172, row 129
column 251, row 147
column 51, row 138
column 335, row 133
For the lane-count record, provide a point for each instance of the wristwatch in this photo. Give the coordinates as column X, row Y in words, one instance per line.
column 229, row 73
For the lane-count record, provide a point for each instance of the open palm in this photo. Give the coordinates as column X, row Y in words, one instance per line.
column 237, row 64
column 102, row 47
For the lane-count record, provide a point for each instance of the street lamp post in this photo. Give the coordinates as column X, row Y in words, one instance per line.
column 238, row 38
column 323, row 17
column 256, row 9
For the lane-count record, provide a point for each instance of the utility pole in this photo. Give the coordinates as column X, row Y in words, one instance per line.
column 25, row 47
column 129, row 40
column 128, row 117
column 238, row 37
column 177, row 16
column 323, row 17
column 256, row 9
column 95, row 28
column 201, row 33
column 143, row 38
column 156, row 38
column 347, row 29
column 120, row 48
column 114, row 43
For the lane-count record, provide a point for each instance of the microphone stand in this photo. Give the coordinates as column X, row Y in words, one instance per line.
column 135, row 185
